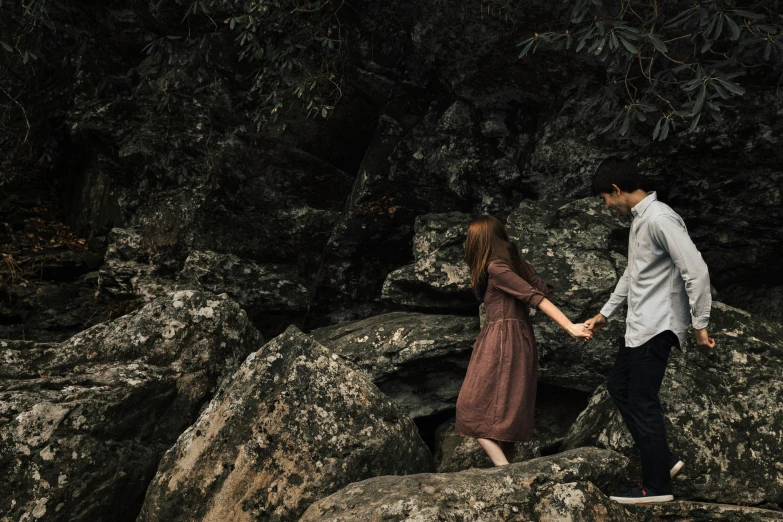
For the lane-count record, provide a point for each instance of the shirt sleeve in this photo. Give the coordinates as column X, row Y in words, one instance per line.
column 618, row 297
column 672, row 236
column 506, row 280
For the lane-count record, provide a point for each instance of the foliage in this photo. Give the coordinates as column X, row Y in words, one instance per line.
column 36, row 42
column 286, row 56
column 672, row 63
column 289, row 52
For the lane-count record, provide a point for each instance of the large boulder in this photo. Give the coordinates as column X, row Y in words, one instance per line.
column 703, row 512
column 296, row 424
column 439, row 278
column 127, row 272
column 272, row 294
column 260, row 288
column 721, row 413
column 579, row 248
column 561, row 487
column 84, row 423
column 419, row 360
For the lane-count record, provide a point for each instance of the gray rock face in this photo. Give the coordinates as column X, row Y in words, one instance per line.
column 269, row 292
column 128, row 272
column 260, row 288
column 295, row 425
column 84, row 423
column 419, row 360
column 703, row 512
column 721, row 413
column 439, row 278
column 580, row 249
column 540, row 489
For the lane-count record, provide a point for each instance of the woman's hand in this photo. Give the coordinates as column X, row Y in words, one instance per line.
column 580, row 331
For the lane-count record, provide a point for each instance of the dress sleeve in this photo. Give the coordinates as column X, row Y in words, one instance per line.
column 506, row 280
column 542, row 286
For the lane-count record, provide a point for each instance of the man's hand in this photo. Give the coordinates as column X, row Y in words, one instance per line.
column 596, row 323
column 703, row 339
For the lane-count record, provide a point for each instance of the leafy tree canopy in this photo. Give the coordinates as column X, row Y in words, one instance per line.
column 672, row 63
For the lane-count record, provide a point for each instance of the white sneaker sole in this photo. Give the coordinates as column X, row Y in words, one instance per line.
column 676, row 469
column 643, row 500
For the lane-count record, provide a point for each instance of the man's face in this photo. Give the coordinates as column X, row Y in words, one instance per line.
column 616, row 200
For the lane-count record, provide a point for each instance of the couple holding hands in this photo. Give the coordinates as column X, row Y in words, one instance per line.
column 665, row 287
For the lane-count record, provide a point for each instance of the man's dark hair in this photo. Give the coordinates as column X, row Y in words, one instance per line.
column 616, row 171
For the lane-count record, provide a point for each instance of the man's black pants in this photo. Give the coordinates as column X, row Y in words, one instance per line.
column 634, row 384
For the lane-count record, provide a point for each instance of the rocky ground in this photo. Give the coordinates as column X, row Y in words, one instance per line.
column 198, row 322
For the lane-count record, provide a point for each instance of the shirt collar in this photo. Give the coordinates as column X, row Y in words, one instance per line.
column 640, row 207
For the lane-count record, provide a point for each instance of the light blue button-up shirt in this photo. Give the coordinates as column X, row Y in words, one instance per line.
column 666, row 284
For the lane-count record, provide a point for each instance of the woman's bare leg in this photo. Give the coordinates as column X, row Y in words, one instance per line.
column 495, row 452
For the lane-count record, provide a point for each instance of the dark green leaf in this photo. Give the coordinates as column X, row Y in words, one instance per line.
column 731, row 86
column 7, row 47
column 718, row 27
column 767, row 51
column 614, row 122
column 720, row 90
column 664, row 131
column 682, row 17
column 628, row 45
column 626, row 123
column 749, row 14
column 700, row 100
column 660, row 45
column 694, row 123
column 735, row 30
column 710, row 26
column 657, row 129
column 526, row 48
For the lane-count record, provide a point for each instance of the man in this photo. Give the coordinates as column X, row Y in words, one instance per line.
column 666, row 286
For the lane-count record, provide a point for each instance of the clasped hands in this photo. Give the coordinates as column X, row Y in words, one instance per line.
column 703, row 339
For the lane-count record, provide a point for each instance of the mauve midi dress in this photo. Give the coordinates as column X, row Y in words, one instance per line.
column 498, row 397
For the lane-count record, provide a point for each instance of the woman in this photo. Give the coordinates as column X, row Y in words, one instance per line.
column 498, row 396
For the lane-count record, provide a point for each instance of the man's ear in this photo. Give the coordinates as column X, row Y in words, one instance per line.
column 616, row 192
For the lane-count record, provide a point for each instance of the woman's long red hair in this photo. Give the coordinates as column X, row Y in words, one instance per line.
column 488, row 241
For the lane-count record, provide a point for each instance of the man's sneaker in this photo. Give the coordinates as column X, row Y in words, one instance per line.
column 641, row 495
column 676, row 467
